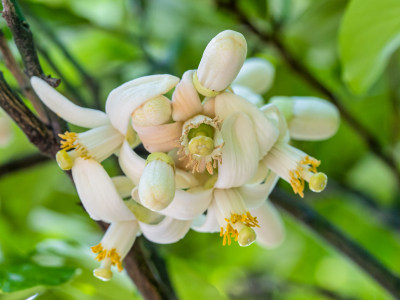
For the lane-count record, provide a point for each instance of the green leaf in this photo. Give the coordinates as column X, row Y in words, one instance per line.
column 17, row 277
column 369, row 34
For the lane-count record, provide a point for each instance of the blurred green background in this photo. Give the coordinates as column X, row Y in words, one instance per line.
column 45, row 236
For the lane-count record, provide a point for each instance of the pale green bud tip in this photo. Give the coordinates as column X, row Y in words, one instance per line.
column 211, row 182
column 318, row 182
column 64, row 161
column 201, row 145
column 160, row 156
column 285, row 106
column 246, row 236
column 103, row 274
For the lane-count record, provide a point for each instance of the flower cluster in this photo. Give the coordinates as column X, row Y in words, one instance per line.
column 215, row 154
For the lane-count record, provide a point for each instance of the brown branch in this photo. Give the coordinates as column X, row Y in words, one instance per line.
column 338, row 239
column 22, row 163
column 24, row 41
column 21, row 78
column 272, row 38
column 35, row 130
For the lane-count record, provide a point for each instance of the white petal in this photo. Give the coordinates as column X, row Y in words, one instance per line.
column 160, row 138
column 123, row 100
column 131, row 164
column 255, row 194
column 273, row 113
column 167, row 231
column 97, row 192
column 208, row 222
column 188, row 204
column 239, row 154
column 266, row 131
column 185, row 100
column 256, row 74
column 70, row 112
column 185, row 180
column 271, row 232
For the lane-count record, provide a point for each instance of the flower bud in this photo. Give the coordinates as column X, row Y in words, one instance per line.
column 308, row 118
column 153, row 112
column 157, row 184
column 256, row 74
column 221, row 62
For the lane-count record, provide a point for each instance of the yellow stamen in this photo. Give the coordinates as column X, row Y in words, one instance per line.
column 69, row 139
column 112, row 254
column 308, row 164
column 246, row 219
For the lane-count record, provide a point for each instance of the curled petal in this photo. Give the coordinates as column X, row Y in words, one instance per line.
column 188, row 204
column 160, row 138
column 185, row 100
column 273, row 113
column 271, row 232
column 123, row 100
column 240, row 152
column 98, row 193
column 256, row 74
column 72, row 113
column 208, row 222
column 266, row 131
column 255, row 194
column 131, row 164
column 168, row 231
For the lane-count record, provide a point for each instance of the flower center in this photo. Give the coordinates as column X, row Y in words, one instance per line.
column 239, row 228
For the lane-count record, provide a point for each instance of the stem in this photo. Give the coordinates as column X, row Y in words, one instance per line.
column 338, row 239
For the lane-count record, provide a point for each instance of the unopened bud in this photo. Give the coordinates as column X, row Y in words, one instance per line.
column 153, row 112
column 221, row 62
column 256, row 74
column 308, row 118
column 157, row 183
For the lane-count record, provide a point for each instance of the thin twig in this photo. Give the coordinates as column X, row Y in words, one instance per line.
column 24, row 41
column 22, row 163
column 272, row 38
column 338, row 239
column 21, row 78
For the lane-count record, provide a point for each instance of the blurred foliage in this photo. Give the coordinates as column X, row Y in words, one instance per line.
column 44, row 230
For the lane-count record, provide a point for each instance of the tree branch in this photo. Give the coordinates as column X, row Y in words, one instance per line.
column 24, row 40
column 22, row 163
column 370, row 140
column 339, row 240
column 21, row 78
